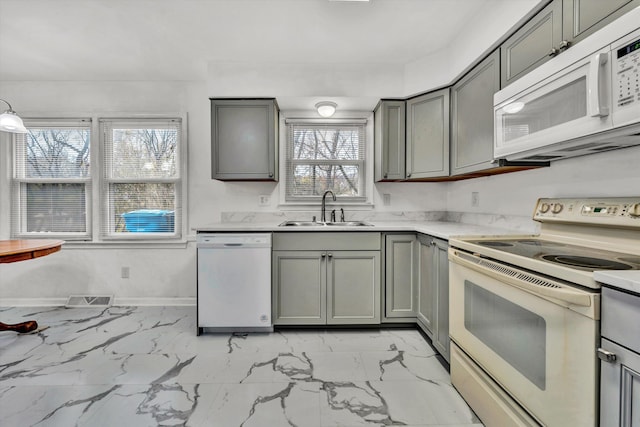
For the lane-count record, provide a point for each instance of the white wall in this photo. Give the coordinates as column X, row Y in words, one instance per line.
column 610, row 174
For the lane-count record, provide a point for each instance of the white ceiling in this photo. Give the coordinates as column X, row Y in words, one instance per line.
column 179, row 39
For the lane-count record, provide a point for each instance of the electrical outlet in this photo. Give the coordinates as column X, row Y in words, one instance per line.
column 386, row 199
column 264, row 200
column 124, row 272
column 475, row 199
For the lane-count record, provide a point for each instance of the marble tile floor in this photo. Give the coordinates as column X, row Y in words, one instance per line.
column 145, row 366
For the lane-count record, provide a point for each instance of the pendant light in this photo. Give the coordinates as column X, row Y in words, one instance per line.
column 10, row 121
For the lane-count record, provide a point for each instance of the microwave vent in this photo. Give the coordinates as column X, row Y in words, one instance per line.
column 583, row 147
column 542, row 158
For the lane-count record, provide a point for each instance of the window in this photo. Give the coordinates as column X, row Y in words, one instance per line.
column 141, row 177
column 52, row 180
column 136, row 174
column 323, row 157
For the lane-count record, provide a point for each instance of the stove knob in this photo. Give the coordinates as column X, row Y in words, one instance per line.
column 634, row 210
column 557, row 208
column 544, row 208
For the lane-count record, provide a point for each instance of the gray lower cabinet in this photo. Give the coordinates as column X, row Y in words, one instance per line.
column 433, row 293
column 472, row 117
column 389, row 140
column 427, row 133
column 401, row 276
column 554, row 29
column 326, row 278
column 244, row 139
column 299, row 288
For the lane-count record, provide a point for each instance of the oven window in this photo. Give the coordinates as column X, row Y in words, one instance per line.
column 516, row 334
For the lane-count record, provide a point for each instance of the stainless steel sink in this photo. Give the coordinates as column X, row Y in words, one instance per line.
column 350, row 224
column 322, row 224
column 300, row 223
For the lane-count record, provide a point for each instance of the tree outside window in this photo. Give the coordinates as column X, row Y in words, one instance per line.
column 325, row 157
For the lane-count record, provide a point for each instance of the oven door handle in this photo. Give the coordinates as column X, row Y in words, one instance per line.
column 524, row 280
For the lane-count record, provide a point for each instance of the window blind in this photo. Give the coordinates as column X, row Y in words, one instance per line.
column 51, row 189
column 323, row 157
column 141, row 182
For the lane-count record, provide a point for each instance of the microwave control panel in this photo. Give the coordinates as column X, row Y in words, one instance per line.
column 627, row 73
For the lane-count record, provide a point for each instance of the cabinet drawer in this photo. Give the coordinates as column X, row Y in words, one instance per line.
column 315, row 241
column 620, row 317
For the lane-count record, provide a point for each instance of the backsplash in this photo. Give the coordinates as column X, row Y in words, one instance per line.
column 519, row 223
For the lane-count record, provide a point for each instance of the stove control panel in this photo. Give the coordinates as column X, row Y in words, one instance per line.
column 612, row 212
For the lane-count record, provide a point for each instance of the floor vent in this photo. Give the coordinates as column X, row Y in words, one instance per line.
column 76, row 301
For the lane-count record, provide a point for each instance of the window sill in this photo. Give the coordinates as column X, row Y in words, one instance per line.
column 142, row 244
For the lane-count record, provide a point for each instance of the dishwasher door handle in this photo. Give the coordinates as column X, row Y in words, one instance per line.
column 233, row 245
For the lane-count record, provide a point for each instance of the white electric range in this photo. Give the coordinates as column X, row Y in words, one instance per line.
column 525, row 311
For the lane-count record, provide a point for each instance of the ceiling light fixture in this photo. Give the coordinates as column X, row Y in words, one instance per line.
column 10, row 121
column 326, row 108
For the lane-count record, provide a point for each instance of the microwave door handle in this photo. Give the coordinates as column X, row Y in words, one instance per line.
column 597, row 85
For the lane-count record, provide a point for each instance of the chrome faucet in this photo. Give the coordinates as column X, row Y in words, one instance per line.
column 323, row 215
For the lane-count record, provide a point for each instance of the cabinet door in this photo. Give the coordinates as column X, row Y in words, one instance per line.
column 427, row 289
column 353, row 287
column 531, row 46
column 583, row 17
column 400, row 275
column 244, row 135
column 472, row 117
column 619, row 387
column 389, row 140
column 299, row 288
column 441, row 272
column 428, row 135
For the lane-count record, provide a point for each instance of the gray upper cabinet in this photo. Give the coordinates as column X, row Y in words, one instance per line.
column 427, row 133
column 389, row 140
column 472, row 117
column 554, row 29
column 244, row 139
column 533, row 44
column 583, row 17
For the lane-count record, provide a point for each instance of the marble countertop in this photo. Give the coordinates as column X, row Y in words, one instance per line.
column 628, row 280
column 440, row 229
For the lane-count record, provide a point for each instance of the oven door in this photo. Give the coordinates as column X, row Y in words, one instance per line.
column 535, row 337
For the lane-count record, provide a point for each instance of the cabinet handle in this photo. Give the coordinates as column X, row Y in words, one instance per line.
column 322, row 255
column 606, row 356
column 553, row 51
column 432, row 243
column 270, row 174
column 409, row 175
column 564, row 45
column 386, row 175
column 329, row 255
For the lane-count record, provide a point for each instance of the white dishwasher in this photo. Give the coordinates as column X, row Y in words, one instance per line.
column 234, row 282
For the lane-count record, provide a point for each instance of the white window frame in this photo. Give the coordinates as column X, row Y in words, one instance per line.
column 96, row 195
column 350, row 118
column 106, row 231
column 19, row 183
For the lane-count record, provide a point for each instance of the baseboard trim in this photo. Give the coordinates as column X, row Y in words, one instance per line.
column 118, row 301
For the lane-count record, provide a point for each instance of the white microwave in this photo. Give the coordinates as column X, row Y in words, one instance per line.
column 585, row 100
